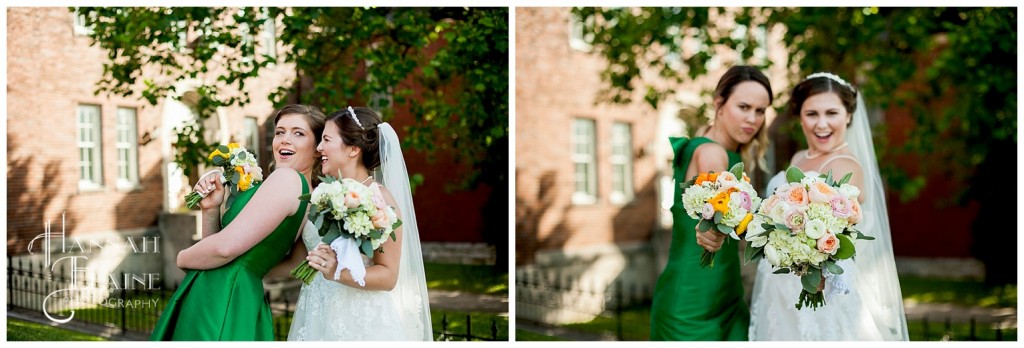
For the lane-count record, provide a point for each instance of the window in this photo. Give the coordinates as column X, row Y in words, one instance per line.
column 268, row 38
column 577, row 40
column 127, row 149
column 251, row 134
column 584, row 157
column 90, row 161
column 79, row 25
column 622, row 163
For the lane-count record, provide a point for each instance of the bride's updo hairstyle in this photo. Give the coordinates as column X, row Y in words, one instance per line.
column 752, row 152
column 358, row 127
column 818, row 83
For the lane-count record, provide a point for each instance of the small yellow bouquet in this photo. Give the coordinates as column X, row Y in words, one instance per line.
column 722, row 202
column 245, row 172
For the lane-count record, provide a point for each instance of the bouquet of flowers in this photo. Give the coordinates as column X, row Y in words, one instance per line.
column 804, row 227
column 345, row 213
column 723, row 202
column 244, row 171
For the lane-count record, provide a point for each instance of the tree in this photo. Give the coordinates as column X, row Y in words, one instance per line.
column 954, row 68
column 456, row 57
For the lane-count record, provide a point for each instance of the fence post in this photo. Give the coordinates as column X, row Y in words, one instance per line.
column 999, row 333
column 469, row 328
column 618, row 309
column 10, row 283
column 494, row 330
column 973, row 337
column 949, row 329
column 444, row 327
column 124, row 311
column 925, row 326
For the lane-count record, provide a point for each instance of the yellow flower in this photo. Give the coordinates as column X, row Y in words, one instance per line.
column 721, row 202
column 233, row 146
column 245, row 182
column 743, row 224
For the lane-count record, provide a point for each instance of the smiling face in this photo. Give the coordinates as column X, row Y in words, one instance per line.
column 335, row 155
column 743, row 113
column 823, row 120
column 294, row 143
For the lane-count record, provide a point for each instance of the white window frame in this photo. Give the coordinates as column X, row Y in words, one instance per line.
column 621, row 160
column 251, row 134
column 79, row 24
column 89, row 126
column 584, row 134
column 577, row 40
column 127, row 145
column 268, row 37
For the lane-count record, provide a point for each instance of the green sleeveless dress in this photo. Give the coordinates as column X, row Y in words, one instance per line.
column 693, row 303
column 227, row 303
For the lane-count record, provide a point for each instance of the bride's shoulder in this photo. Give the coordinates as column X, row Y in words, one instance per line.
column 388, row 197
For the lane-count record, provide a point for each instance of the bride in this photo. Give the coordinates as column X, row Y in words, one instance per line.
column 863, row 303
column 389, row 301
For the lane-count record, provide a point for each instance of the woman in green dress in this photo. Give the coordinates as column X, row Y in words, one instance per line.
column 693, row 303
column 221, row 297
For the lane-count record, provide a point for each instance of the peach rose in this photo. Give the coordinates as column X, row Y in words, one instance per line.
column 855, row 214
column 794, row 194
column 352, row 199
column 828, row 243
column 380, row 219
column 820, row 192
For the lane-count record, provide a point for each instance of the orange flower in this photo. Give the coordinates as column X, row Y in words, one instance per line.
column 701, row 178
column 721, row 202
column 713, row 176
column 743, row 224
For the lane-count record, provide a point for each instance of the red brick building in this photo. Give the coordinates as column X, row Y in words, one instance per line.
column 105, row 161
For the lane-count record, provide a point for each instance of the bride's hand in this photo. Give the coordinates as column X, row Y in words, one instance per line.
column 212, row 189
column 710, row 240
column 324, row 259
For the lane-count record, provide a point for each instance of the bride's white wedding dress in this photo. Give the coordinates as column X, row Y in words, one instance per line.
column 330, row 311
column 863, row 303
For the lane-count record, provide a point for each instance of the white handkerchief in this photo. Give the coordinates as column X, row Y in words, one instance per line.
column 350, row 258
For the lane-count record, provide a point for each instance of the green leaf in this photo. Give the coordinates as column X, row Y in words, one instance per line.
column 396, row 225
column 305, row 197
column 332, row 233
column 704, row 225
column 223, row 149
column 811, row 280
column 218, row 161
column 794, row 174
column 725, row 229
column 319, row 222
column 367, row 248
column 846, row 248
column 241, row 155
column 846, row 178
column 737, row 170
column 751, row 253
column 781, row 271
column 828, row 178
column 394, row 237
column 688, row 183
column 833, row 268
column 376, row 234
column 783, row 228
column 718, row 217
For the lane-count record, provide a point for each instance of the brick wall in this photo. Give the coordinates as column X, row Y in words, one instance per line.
column 555, row 84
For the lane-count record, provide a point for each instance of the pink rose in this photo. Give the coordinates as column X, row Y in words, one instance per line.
column 352, row 199
column 708, row 212
column 795, row 218
column 378, row 198
column 820, row 192
column 769, row 203
column 828, row 243
column 840, row 207
column 743, row 199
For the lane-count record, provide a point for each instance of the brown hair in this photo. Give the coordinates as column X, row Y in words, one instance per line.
column 316, row 120
column 363, row 134
column 821, row 84
column 752, row 152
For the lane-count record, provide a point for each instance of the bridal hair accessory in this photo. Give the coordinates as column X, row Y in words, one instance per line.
column 353, row 113
column 832, row 77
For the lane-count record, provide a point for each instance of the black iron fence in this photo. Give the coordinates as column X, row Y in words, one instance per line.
column 108, row 305
column 618, row 310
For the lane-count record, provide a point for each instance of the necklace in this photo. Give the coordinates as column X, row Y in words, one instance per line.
column 368, row 178
column 837, row 148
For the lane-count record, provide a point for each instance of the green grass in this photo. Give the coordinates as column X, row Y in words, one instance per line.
column 18, row 330
column 960, row 292
column 958, row 331
column 481, row 323
column 635, row 324
column 522, row 335
column 478, row 279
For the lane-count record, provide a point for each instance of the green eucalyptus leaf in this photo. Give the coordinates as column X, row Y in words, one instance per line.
column 718, row 217
column 794, row 174
column 367, row 248
column 811, row 280
column 846, row 178
column 737, row 170
column 846, row 248
column 224, row 149
column 781, row 271
column 833, row 268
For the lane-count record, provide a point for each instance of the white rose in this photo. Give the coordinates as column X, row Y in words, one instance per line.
column 849, row 191
column 815, row 229
column 772, row 255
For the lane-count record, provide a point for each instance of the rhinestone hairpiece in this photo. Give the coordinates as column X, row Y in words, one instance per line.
column 353, row 113
column 830, row 76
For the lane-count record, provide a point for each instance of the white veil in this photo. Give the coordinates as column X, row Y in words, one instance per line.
column 410, row 293
column 876, row 280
